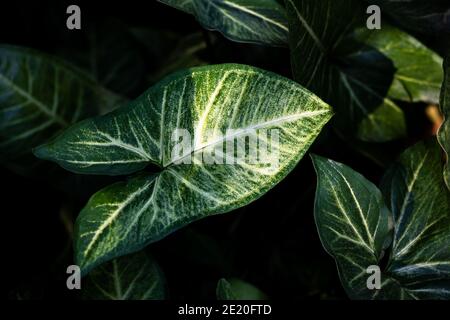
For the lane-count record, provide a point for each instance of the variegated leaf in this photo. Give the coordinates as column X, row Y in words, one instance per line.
column 420, row 203
column 205, row 101
column 353, row 224
column 39, row 96
column 351, row 77
column 444, row 130
column 418, row 74
column 255, row 21
column 133, row 277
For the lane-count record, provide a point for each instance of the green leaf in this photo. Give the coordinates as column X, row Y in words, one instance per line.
column 236, row 289
column 133, row 277
column 444, row 130
column 419, row 70
column 206, row 101
column 427, row 17
column 352, row 77
column 420, row 204
column 354, row 226
column 254, row 21
column 39, row 96
column 224, row 290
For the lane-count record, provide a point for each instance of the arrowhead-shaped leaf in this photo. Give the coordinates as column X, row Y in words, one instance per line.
column 418, row 74
column 39, row 96
column 254, row 21
column 353, row 224
column 206, row 101
column 444, row 130
column 133, row 277
column 351, row 77
column 420, row 203
column 427, row 17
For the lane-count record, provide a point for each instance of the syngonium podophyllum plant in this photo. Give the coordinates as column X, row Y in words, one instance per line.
column 402, row 227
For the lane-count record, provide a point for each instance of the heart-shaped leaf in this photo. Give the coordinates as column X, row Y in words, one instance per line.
column 351, row 77
column 133, row 277
column 444, row 130
column 254, row 21
column 418, row 74
column 353, row 224
column 39, row 96
column 216, row 106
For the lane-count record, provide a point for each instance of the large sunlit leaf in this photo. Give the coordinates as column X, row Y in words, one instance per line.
column 255, row 21
column 420, row 203
column 352, row 77
column 206, row 101
column 428, row 17
column 236, row 289
column 354, row 226
column 444, row 130
column 418, row 74
column 133, row 277
column 39, row 96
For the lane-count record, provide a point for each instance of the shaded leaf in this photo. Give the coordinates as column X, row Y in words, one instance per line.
column 255, row 21
column 185, row 55
column 236, row 289
column 444, row 130
column 418, row 74
column 354, row 226
column 206, row 101
column 40, row 96
column 133, row 277
column 420, row 204
column 352, row 77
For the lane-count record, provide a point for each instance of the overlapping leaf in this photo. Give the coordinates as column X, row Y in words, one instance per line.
column 255, row 21
column 444, row 130
column 420, row 204
column 39, row 96
column 353, row 224
column 133, row 277
column 351, row 77
column 418, row 74
column 206, row 101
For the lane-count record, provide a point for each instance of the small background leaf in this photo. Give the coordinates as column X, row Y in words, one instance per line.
column 133, row 277
column 255, row 21
column 235, row 289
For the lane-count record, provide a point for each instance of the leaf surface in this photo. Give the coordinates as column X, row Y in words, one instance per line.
column 207, row 102
column 133, row 277
column 254, row 21
column 40, row 96
column 352, row 77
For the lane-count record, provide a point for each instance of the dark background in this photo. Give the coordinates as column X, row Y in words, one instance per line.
column 272, row 243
